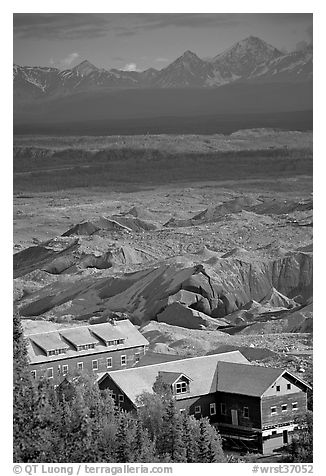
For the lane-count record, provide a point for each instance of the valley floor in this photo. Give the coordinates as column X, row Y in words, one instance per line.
column 213, row 218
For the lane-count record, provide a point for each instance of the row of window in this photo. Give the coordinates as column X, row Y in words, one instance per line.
column 56, row 351
column 212, row 409
column 121, row 397
column 284, row 408
column 86, row 346
column 115, row 342
column 80, row 366
column 245, row 411
column 288, row 387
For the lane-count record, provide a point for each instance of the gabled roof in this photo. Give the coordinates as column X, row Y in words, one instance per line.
column 79, row 336
column 52, row 340
column 171, row 377
column 153, row 358
column 107, row 333
column 201, row 370
column 49, row 341
column 252, row 380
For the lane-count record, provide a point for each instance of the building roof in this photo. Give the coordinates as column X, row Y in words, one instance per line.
column 201, row 370
column 108, row 333
column 127, row 331
column 49, row 341
column 152, row 358
column 242, row 379
column 79, row 336
column 170, row 377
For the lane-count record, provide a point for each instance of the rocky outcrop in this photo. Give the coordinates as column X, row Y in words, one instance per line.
column 69, row 255
column 251, row 205
column 218, row 289
column 180, row 315
column 91, row 227
column 134, row 223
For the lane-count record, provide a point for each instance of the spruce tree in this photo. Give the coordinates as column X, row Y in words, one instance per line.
column 122, row 452
column 204, row 454
column 171, row 438
column 300, row 450
column 20, row 361
column 189, row 424
column 209, row 444
column 150, row 411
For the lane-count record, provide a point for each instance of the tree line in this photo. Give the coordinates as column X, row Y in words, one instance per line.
column 78, row 422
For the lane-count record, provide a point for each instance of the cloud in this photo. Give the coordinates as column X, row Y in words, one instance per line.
column 152, row 21
column 301, row 45
column 62, row 26
column 309, row 32
column 284, row 50
column 130, row 67
column 65, row 62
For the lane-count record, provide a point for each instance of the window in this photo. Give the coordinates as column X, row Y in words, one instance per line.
column 278, row 388
column 86, row 346
column 80, row 365
column 223, row 409
column 137, row 357
column 50, row 372
column 274, row 432
column 212, row 408
column 114, row 397
column 121, row 398
column 284, row 407
column 109, row 362
column 245, row 412
column 64, row 369
column 181, row 387
column 273, row 410
column 295, row 406
column 33, row 372
column 198, row 409
column 56, row 351
column 288, row 386
column 94, row 364
column 123, row 360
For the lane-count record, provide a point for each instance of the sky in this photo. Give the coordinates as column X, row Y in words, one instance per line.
column 138, row 41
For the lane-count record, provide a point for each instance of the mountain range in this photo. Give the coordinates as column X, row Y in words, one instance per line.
column 250, row 60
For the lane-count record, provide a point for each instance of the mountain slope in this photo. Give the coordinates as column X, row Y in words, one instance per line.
column 249, row 59
column 186, row 71
column 244, row 58
column 293, row 67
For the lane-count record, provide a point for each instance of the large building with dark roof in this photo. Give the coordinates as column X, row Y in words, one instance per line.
column 95, row 348
column 253, row 407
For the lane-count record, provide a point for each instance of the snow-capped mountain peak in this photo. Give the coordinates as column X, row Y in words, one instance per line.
column 85, row 68
column 243, row 58
column 250, row 59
